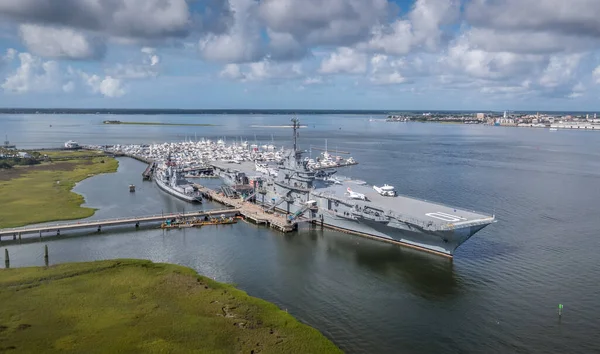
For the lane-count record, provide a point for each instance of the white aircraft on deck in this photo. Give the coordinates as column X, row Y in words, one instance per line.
column 356, row 195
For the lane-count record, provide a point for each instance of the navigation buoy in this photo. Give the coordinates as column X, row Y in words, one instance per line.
column 560, row 309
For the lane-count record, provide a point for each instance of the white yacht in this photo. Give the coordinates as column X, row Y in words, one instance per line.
column 71, row 144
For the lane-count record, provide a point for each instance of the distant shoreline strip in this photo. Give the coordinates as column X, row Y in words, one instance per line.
column 110, row 122
column 275, row 126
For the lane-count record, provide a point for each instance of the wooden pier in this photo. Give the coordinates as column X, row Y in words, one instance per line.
column 250, row 211
column 135, row 221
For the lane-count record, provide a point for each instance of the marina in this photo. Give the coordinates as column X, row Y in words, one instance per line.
column 279, row 188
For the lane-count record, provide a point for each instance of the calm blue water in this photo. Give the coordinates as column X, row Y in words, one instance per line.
column 499, row 295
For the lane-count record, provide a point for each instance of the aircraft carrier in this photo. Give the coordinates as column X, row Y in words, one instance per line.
column 352, row 206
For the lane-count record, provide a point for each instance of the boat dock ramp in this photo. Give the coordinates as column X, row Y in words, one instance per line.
column 134, row 221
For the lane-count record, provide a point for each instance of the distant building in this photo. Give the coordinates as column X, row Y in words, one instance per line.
column 480, row 115
column 24, row 155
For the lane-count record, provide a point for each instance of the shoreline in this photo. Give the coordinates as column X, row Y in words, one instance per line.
column 44, row 193
column 129, row 305
column 160, row 124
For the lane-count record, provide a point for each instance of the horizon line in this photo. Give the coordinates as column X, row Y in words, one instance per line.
column 18, row 110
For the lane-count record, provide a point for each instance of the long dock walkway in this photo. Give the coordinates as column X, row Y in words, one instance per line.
column 134, row 221
column 249, row 210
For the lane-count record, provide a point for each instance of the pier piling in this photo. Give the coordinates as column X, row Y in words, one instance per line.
column 6, row 258
column 15, row 236
column 46, row 255
column 19, row 237
column 99, row 228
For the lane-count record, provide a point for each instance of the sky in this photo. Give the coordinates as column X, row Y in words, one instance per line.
column 301, row 54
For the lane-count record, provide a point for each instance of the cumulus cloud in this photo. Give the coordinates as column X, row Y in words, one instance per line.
column 385, row 71
column 574, row 17
column 526, row 42
column 596, row 74
column 147, row 19
column 317, row 22
column 261, row 71
column 419, row 30
column 61, row 42
column 560, row 70
column 497, row 48
column 313, row 80
column 107, row 86
column 344, row 60
column 148, row 67
column 11, row 54
column 33, row 75
column 242, row 42
column 464, row 58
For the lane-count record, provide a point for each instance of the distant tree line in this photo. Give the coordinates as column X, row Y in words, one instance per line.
column 7, row 163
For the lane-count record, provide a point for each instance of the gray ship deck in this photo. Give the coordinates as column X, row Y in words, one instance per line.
column 406, row 207
column 245, row 166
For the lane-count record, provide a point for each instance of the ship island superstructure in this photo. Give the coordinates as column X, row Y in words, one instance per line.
column 303, row 193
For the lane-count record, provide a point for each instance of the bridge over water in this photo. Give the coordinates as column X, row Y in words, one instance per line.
column 135, row 221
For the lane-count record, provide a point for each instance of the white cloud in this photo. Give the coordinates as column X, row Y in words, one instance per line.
column 262, row 70
column 10, row 55
column 463, row 58
column 118, row 18
column 33, row 75
column 596, row 74
column 242, row 42
column 149, row 67
column 61, row 42
column 419, row 30
column 69, row 87
column 385, row 71
column 524, row 42
column 344, row 60
column 331, row 22
column 573, row 17
column 106, row 86
column 231, row 71
column 284, row 46
column 313, row 80
column 560, row 70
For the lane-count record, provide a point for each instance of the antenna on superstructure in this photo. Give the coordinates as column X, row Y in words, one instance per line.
column 295, row 125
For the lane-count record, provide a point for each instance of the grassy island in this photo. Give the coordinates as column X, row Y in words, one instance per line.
column 42, row 192
column 133, row 306
column 158, row 123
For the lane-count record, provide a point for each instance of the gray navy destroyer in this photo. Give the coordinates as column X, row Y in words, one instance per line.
column 169, row 178
column 353, row 206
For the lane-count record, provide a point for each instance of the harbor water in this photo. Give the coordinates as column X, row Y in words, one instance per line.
column 500, row 294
